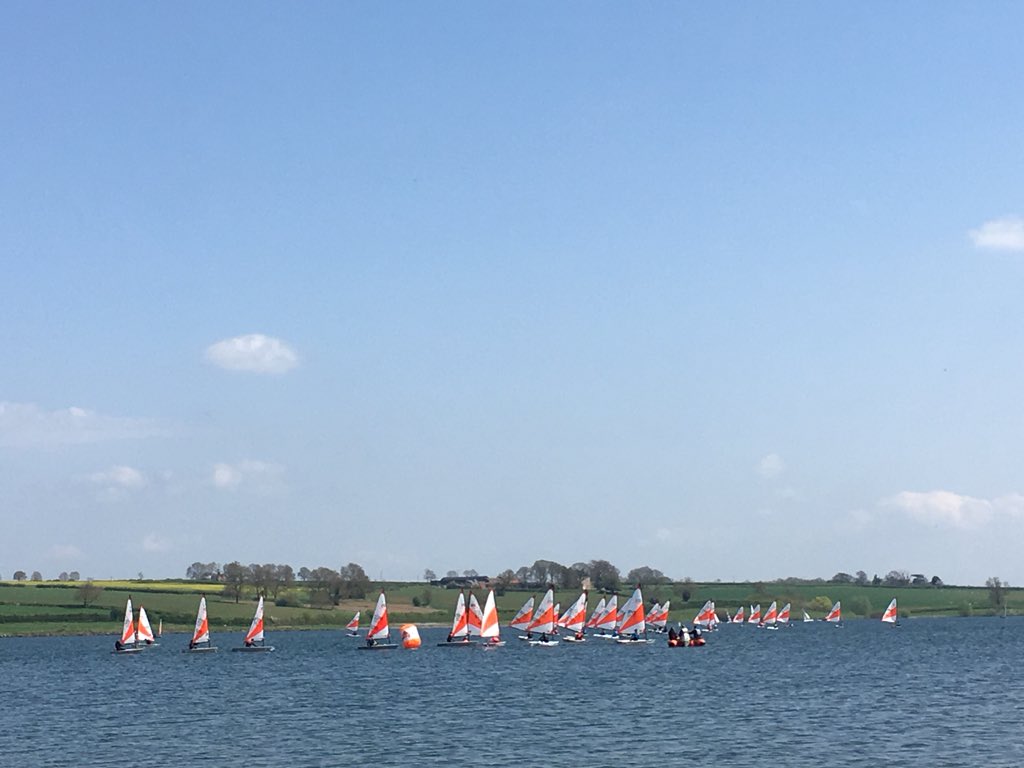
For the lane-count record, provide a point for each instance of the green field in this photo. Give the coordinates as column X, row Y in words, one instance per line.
column 55, row 608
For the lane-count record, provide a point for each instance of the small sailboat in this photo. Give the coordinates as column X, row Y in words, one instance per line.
column 784, row 615
column 575, row 619
column 890, row 616
column 658, row 622
column 706, row 617
column 755, row 614
column 770, row 617
column 490, row 631
column 835, row 616
column 738, row 618
column 522, row 619
column 544, row 621
column 605, row 625
column 474, row 616
column 200, row 642
column 127, row 643
column 633, row 629
column 807, row 617
column 459, row 636
column 144, row 630
column 378, row 637
column 254, row 641
column 352, row 628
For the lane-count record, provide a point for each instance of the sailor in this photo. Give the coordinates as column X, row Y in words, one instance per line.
column 543, row 637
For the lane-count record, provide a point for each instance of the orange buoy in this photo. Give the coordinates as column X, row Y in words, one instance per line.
column 410, row 636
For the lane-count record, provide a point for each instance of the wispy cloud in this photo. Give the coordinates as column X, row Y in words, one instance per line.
column 253, row 352
column 254, row 475
column 1003, row 234
column 771, row 466
column 151, row 542
column 955, row 510
column 65, row 552
column 119, row 476
column 26, row 424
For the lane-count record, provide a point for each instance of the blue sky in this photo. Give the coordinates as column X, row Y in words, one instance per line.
column 730, row 292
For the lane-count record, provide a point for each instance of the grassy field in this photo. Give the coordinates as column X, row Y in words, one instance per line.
column 54, row 608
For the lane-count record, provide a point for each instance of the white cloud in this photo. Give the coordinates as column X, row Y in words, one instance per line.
column 771, row 466
column 65, row 552
column 946, row 508
column 1004, row 234
column 26, row 424
column 257, row 475
column 253, row 352
column 119, row 476
column 154, row 543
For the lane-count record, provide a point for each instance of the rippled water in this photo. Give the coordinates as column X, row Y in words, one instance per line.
column 936, row 692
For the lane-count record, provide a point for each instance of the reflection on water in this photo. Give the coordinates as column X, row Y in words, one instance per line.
column 931, row 692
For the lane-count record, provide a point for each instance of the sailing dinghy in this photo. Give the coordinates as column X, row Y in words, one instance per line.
column 352, row 628
column 544, row 621
column 127, row 643
column 784, row 615
column 605, row 625
column 378, row 637
column 738, row 618
column 658, row 621
column 521, row 620
column 144, row 630
column 890, row 616
column 807, row 617
column 200, row 642
column 254, row 641
column 770, row 617
column 835, row 616
column 575, row 619
column 633, row 629
column 490, row 632
column 755, row 614
column 459, row 636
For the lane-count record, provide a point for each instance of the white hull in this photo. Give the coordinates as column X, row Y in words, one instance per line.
column 378, row 647
column 572, row 639
column 210, row 649
column 254, row 649
column 545, row 643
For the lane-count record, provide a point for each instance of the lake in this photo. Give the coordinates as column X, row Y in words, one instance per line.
column 932, row 692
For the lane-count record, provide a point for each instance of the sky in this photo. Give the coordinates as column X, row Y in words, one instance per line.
column 733, row 292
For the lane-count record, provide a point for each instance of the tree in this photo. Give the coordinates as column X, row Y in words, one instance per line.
column 304, row 573
column 842, row 578
column 470, row 573
column 37, row 576
column 897, row 578
column 936, row 581
column 235, row 576
column 605, row 576
column 88, row 592
column 859, row 605
column 63, row 576
column 646, row 575
column 452, row 574
column 689, row 589
column 861, row 578
column 821, row 604
column 876, row 581
column 202, row 571
column 429, row 575
column 19, row 575
column 505, row 579
column 996, row 591
column 284, row 578
column 354, row 582
column 73, row 576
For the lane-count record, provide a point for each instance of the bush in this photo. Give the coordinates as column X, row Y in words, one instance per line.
column 284, row 602
column 415, row 602
column 859, row 605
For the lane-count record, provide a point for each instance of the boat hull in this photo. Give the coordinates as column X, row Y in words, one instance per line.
column 378, row 647
column 211, row 649
column 458, row 644
column 254, row 649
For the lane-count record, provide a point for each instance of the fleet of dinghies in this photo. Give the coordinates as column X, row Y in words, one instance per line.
column 476, row 626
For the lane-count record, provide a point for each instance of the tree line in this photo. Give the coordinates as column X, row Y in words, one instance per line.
column 326, row 586
column 601, row 575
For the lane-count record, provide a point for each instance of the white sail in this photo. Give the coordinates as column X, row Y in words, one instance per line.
column 128, row 628
column 544, row 618
column 202, row 630
column 522, row 619
column 474, row 616
column 379, row 624
column 755, row 614
column 460, row 627
column 255, row 633
column 145, row 631
column 610, row 616
column 770, row 616
column 489, row 625
column 633, row 614
column 836, row 614
column 784, row 614
column 575, row 617
column 890, row 615
column 807, row 617
column 596, row 615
